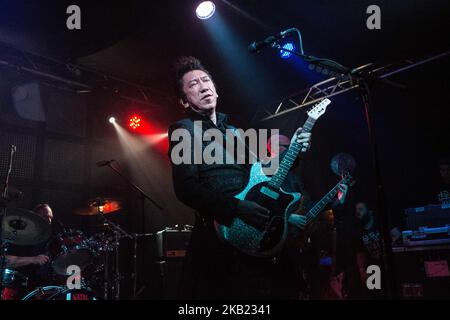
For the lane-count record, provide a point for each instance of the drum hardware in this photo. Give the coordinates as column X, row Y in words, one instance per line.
column 3, row 199
column 10, row 277
column 17, row 226
column 142, row 196
column 70, row 247
column 60, row 293
column 119, row 233
column 106, row 246
column 14, row 283
column 101, row 206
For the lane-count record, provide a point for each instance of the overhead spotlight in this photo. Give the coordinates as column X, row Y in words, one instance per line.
column 112, row 120
column 205, row 10
column 286, row 54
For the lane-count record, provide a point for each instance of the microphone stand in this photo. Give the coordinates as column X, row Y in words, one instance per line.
column 142, row 196
column 364, row 80
column 339, row 68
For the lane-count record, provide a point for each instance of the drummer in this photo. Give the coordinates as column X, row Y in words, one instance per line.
column 33, row 261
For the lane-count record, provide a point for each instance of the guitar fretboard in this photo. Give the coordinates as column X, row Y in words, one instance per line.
column 294, row 149
column 319, row 206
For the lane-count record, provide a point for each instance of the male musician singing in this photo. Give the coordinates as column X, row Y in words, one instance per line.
column 213, row 269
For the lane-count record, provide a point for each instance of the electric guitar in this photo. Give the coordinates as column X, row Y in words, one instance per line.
column 320, row 205
column 267, row 192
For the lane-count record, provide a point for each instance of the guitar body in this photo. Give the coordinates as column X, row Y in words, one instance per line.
column 265, row 242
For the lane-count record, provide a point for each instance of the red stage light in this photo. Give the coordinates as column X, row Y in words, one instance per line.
column 135, row 122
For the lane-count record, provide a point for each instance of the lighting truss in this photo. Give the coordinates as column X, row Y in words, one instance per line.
column 77, row 78
column 338, row 85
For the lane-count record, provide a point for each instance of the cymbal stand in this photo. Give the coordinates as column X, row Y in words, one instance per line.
column 117, row 276
column 4, row 244
column 142, row 196
column 106, row 276
column 119, row 233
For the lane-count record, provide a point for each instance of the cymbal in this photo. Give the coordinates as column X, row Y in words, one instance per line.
column 104, row 205
column 24, row 227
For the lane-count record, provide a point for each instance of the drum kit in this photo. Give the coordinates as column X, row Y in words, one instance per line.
column 96, row 256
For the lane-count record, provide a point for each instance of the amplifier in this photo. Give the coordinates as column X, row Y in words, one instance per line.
column 427, row 216
column 426, row 236
column 422, row 272
column 173, row 242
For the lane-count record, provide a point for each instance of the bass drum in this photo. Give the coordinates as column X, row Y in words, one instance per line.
column 60, row 293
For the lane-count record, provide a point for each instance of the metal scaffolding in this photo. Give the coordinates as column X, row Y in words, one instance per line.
column 339, row 84
column 77, row 78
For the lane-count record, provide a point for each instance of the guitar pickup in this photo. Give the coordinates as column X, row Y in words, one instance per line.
column 270, row 193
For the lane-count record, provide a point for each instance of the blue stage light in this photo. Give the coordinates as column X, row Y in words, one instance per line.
column 286, row 54
column 205, row 10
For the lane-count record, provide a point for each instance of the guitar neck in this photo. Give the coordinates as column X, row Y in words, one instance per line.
column 319, row 206
column 288, row 161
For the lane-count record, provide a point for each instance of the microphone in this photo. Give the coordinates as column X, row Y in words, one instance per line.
column 258, row 45
column 104, row 163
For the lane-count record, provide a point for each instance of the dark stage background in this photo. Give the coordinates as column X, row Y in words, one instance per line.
column 61, row 132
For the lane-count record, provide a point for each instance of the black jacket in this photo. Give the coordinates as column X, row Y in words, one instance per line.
column 213, row 269
column 207, row 188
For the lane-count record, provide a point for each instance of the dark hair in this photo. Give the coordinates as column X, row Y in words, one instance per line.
column 182, row 66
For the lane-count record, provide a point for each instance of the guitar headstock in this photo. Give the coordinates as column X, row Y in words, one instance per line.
column 348, row 179
column 318, row 110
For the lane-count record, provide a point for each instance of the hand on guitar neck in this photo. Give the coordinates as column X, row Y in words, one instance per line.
column 302, row 138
